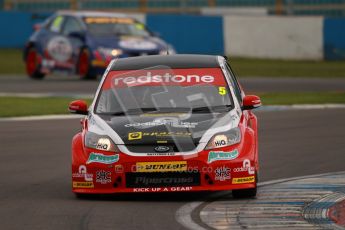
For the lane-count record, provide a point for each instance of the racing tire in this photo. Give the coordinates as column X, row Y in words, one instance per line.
column 84, row 66
column 244, row 193
column 33, row 65
column 83, row 196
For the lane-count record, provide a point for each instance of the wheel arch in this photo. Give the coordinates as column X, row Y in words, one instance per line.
column 77, row 149
column 28, row 46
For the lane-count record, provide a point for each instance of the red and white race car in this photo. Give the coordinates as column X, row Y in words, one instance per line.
column 167, row 124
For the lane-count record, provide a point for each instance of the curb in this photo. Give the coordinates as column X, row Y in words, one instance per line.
column 307, row 202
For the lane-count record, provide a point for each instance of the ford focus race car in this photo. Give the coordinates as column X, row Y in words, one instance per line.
column 165, row 124
column 83, row 43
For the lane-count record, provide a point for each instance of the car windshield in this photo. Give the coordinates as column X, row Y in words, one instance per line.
column 105, row 26
column 160, row 89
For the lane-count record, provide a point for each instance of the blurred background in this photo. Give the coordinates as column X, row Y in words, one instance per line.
column 286, row 51
column 291, row 53
column 285, row 29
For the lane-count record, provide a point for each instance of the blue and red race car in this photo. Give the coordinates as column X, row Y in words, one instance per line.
column 166, row 124
column 84, row 43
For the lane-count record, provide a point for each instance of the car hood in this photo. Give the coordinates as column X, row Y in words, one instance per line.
column 180, row 132
column 129, row 43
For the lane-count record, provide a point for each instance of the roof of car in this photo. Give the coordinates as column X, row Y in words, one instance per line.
column 176, row 61
column 91, row 14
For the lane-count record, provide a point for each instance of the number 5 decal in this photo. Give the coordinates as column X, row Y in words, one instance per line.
column 222, row 90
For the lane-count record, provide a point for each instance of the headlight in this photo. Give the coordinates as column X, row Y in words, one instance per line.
column 100, row 142
column 110, row 52
column 231, row 137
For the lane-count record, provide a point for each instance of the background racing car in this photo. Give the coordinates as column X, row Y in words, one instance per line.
column 167, row 123
column 85, row 42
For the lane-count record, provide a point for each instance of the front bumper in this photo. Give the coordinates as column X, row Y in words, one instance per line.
column 130, row 174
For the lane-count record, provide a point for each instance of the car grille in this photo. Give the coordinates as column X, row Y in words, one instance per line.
column 166, row 179
column 151, row 148
column 134, row 54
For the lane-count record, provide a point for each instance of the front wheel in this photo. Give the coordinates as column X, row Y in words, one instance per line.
column 84, row 67
column 84, row 196
column 244, row 193
column 33, row 64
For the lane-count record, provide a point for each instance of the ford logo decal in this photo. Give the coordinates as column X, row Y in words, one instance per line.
column 162, row 149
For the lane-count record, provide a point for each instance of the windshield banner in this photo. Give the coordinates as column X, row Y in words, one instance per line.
column 165, row 77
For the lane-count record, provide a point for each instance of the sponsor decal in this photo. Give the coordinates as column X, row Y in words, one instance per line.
column 162, row 114
column 48, row 63
column 140, row 135
column 161, row 142
column 222, row 90
column 165, row 189
column 219, row 156
column 245, row 168
column 106, row 20
column 56, row 25
column 167, row 134
column 173, row 166
column 103, row 144
column 161, row 154
column 60, row 49
column 103, row 177
column 101, row 158
column 135, row 136
column 162, row 149
column 220, row 140
column 222, row 173
column 162, row 179
column 82, row 173
column 243, row 180
column 77, row 184
column 169, row 180
column 167, row 122
column 139, row 44
column 167, row 78
column 119, row 169
column 139, row 26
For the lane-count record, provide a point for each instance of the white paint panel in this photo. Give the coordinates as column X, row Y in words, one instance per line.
column 220, row 11
column 274, row 37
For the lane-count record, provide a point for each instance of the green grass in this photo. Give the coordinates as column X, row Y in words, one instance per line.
column 280, row 68
column 19, row 106
column 302, row 98
column 11, row 63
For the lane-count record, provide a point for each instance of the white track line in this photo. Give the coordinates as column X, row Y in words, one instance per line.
column 43, row 117
column 184, row 214
column 184, row 217
column 264, row 108
column 301, row 107
column 40, row 95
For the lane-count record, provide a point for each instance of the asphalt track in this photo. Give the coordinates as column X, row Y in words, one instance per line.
column 313, row 202
column 67, row 85
column 35, row 172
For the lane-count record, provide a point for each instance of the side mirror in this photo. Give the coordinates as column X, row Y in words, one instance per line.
column 251, row 102
column 78, row 107
column 77, row 34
